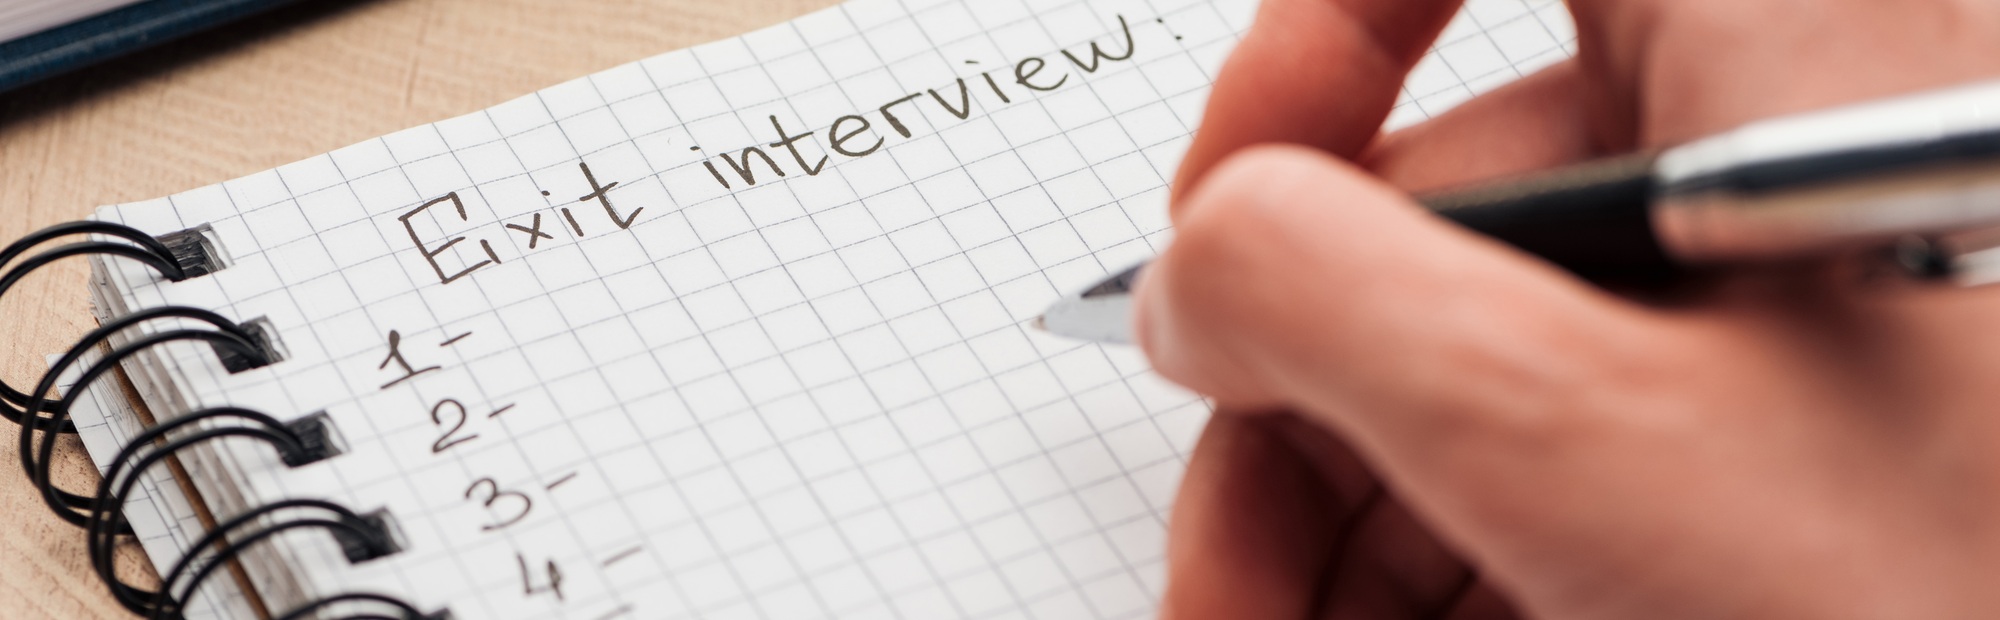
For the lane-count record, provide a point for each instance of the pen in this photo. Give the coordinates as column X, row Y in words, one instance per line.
column 1919, row 174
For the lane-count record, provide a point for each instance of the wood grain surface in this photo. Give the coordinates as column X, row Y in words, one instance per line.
column 254, row 95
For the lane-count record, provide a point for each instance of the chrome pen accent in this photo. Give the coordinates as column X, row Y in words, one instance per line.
column 1916, row 178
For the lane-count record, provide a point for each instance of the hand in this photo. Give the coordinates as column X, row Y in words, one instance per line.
column 1418, row 422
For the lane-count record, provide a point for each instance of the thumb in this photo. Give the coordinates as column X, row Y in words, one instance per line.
column 1298, row 280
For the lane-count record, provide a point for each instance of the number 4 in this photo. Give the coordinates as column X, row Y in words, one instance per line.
column 528, row 586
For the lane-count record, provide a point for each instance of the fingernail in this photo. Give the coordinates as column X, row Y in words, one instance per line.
column 1149, row 310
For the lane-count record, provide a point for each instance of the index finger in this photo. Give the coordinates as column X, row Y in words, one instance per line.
column 1320, row 73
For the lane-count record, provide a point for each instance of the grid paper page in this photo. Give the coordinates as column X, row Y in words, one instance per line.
column 739, row 331
column 162, row 518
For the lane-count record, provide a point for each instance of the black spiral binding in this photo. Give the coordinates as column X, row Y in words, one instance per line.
column 238, row 346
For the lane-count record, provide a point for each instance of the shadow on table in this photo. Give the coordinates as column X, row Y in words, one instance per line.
column 34, row 100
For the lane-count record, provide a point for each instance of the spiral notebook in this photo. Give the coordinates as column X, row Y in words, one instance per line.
column 739, row 331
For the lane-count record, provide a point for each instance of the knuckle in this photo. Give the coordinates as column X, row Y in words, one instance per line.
column 1228, row 230
column 1230, row 255
column 1196, row 281
column 1248, row 196
column 1556, row 390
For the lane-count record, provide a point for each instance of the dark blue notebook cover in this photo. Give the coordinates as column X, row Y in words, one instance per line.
column 102, row 37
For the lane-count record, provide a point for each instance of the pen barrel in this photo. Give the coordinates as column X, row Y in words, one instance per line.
column 1593, row 219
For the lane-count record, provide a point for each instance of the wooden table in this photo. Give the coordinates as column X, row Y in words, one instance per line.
column 254, row 95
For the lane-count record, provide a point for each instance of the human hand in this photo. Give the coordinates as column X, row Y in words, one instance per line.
column 1467, row 432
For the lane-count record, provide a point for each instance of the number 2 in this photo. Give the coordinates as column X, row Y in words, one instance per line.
column 446, row 441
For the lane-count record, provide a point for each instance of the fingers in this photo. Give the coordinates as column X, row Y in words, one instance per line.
column 1390, row 566
column 1612, row 38
column 1322, row 73
column 1249, row 535
column 1296, row 280
column 1276, row 519
column 1670, row 71
column 1482, row 602
column 1532, row 124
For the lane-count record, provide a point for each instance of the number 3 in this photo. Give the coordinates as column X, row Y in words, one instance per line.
column 494, row 495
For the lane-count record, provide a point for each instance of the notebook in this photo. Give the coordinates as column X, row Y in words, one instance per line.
column 739, row 331
column 40, row 39
column 164, row 517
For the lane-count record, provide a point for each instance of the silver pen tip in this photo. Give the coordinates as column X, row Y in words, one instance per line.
column 1102, row 313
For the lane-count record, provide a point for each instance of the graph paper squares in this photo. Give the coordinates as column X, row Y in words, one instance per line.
column 827, row 373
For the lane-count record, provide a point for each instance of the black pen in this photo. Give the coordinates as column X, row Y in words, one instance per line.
column 1920, row 173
